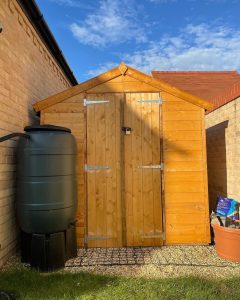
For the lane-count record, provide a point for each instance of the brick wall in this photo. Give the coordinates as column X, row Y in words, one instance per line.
column 223, row 151
column 28, row 73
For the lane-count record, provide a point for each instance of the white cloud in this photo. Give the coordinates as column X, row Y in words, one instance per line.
column 72, row 3
column 114, row 22
column 197, row 47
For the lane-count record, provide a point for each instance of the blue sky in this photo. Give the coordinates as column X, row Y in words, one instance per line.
column 96, row 35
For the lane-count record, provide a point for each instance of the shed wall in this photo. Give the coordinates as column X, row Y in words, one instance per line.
column 28, row 73
column 71, row 114
column 185, row 174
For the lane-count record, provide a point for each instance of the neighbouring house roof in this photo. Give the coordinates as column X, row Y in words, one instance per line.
column 121, row 70
column 36, row 18
column 218, row 87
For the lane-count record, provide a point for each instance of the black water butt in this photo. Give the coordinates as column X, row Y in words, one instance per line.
column 47, row 196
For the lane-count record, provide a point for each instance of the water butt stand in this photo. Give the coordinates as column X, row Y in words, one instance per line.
column 48, row 252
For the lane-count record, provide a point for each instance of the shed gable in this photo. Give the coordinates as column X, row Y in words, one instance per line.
column 121, row 79
column 123, row 84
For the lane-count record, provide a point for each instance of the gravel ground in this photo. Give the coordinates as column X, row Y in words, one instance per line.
column 151, row 262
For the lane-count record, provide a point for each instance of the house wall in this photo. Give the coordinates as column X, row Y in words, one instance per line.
column 28, row 73
column 223, row 151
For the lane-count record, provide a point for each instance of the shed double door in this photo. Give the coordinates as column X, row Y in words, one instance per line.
column 123, row 171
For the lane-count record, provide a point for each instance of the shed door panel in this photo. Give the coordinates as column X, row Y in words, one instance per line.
column 103, row 178
column 142, row 184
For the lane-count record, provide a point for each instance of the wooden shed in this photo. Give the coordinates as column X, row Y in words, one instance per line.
column 142, row 173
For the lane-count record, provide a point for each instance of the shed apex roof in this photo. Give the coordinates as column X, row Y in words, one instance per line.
column 121, row 70
column 218, row 87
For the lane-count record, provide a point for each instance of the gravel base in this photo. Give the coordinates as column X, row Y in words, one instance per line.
column 158, row 256
column 151, row 262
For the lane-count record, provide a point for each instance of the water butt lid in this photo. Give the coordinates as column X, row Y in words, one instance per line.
column 46, row 128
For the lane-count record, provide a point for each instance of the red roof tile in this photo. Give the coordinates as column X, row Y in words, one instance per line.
column 218, row 87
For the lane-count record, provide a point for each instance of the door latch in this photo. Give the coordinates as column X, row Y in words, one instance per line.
column 126, row 130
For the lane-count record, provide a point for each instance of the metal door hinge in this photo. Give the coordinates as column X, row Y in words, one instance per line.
column 152, row 167
column 98, row 238
column 152, row 101
column 155, row 236
column 93, row 168
column 90, row 102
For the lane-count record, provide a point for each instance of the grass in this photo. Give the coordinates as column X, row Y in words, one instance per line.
column 28, row 284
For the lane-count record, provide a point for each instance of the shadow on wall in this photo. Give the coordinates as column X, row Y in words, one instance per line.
column 216, row 160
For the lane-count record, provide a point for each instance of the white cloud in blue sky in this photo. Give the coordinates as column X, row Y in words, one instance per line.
column 97, row 35
column 114, row 22
column 196, row 47
column 73, row 3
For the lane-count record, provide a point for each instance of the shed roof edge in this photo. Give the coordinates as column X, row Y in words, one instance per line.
column 122, row 69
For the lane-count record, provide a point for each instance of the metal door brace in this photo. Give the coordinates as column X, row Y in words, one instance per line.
column 93, row 168
column 151, row 101
column 98, row 237
column 152, row 167
column 156, row 236
column 90, row 102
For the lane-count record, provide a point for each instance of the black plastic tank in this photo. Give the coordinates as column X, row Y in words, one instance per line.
column 46, row 179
